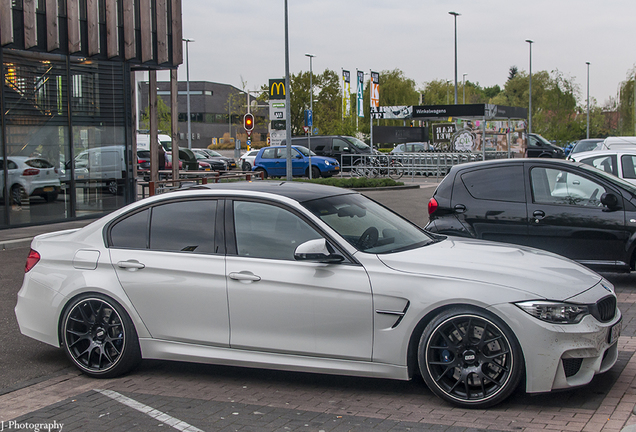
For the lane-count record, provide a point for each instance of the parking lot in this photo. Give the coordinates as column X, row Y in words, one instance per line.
column 39, row 386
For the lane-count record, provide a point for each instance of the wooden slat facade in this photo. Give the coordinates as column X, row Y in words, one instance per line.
column 52, row 31
column 156, row 23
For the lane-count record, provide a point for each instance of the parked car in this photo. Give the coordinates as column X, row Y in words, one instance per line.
column 541, row 147
column 621, row 163
column 214, row 164
column 246, row 161
column 211, row 154
column 585, row 145
column 29, row 176
column 615, row 143
column 143, row 161
column 336, row 284
column 410, row 148
column 568, row 208
column 272, row 161
column 335, row 146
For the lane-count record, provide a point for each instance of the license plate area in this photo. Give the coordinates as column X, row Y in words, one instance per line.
column 614, row 332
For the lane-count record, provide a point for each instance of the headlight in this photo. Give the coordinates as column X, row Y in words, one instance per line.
column 327, row 163
column 555, row 312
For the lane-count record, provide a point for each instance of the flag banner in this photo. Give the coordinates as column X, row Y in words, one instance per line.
column 346, row 93
column 375, row 89
column 360, row 94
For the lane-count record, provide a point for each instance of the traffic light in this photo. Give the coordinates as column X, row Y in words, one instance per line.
column 248, row 122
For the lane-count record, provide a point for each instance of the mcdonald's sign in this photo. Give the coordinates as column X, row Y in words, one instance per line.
column 277, row 88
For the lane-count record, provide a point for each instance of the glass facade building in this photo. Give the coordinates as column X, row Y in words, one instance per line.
column 67, row 113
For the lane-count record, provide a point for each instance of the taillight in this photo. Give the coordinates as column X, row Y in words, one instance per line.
column 432, row 206
column 30, row 172
column 31, row 261
column 55, row 170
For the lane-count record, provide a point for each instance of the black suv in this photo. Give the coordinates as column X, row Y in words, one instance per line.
column 541, row 147
column 568, row 208
column 335, row 146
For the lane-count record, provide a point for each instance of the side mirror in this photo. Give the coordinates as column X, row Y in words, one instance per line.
column 610, row 201
column 318, row 251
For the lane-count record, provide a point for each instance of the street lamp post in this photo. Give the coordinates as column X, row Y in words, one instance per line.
column 311, row 106
column 455, row 14
column 288, row 161
column 464, row 88
column 530, row 42
column 187, row 41
column 447, row 91
column 588, row 99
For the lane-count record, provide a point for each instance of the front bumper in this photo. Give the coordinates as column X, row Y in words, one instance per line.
column 562, row 356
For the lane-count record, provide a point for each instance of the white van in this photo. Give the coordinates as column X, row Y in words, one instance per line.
column 143, row 141
column 613, row 143
column 106, row 164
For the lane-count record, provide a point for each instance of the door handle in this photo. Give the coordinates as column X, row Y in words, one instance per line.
column 245, row 277
column 131, row 265
column 459, row 208
column 538, row 215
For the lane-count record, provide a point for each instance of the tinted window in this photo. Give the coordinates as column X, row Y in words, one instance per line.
column 269, row 153
column 504, row 183
column 628, row 162
column 554, row 186
column 340, row 145
column 267, row 231
column 131, row 232
column 605, row 163
column 170, row 231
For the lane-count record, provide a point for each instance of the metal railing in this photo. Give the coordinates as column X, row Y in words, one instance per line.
column 428, row 164
column 150, row 188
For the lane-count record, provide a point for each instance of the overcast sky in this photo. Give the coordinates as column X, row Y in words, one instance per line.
column 245, row 40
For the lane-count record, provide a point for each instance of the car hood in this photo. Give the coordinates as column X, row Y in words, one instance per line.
column 542, row 274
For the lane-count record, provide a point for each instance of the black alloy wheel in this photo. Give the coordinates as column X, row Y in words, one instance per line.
column 470, row 358
column 99, row 337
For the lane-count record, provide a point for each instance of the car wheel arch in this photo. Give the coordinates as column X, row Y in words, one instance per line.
column 414, row 340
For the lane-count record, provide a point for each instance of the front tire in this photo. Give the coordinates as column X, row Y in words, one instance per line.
column 470, row 358
column 99, row 337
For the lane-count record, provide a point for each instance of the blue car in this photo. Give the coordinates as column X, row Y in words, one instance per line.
column 272, row 161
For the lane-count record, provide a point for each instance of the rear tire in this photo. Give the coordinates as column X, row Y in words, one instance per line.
column 259, row 170
column 99, row 337
column 17, row 194
column 246, row 166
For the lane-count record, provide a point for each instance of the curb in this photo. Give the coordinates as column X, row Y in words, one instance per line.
column 15, row 244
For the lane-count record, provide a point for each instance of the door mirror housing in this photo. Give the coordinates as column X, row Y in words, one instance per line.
column 610, row 201
column 317, row 250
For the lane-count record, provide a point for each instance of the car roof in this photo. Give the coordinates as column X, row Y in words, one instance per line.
column 614, row 151
column 296, row 190
column 517, row 161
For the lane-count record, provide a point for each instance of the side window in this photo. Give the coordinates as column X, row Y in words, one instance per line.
column 12, row 165
column 340, row 145
column 554, row 186
column 281, row 153
column 269, row 153
column 605, row 163
column 268, row 231
column 169, row 231
column 489, row 184
column 131, row 232
column 628, row 162
column 532, row 142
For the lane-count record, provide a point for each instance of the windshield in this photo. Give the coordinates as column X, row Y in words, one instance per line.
column 584, row 145
column 367, row 225
column 357, row 143
column 213, row 153
column 305, row 151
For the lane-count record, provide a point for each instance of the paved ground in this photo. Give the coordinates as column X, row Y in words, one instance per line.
column 190, row 397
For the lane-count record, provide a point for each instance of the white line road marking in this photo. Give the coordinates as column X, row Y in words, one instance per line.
column 150, row 411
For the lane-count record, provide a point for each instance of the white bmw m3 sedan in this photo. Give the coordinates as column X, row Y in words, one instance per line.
column 304, row 277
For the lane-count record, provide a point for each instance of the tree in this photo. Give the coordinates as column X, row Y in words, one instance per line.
column 626, row 104
column 512, row 72
column 164, row 124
